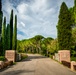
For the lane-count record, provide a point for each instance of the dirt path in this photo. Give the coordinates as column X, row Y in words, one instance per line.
column 37, row 65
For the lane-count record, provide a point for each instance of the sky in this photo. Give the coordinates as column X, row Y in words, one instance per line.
column 35, row 17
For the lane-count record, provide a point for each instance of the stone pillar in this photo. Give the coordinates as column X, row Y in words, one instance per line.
column 64, row 55
column 72, row 65
column 10, row 55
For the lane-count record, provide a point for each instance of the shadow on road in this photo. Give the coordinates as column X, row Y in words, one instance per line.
column 18, row 72
column 30, row 57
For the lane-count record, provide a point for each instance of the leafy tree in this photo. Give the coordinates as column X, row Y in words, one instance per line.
column 4, row 35
column 46, row 44
column 15, row 34
column 53, row 46
column 37, row 41
column 11, row 28
column 64, row 28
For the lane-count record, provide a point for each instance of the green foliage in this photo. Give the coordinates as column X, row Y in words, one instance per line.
column 1, row 17
column 74, row 35
column 71, row 11
column 2, row 58
column 37, row 44
column 73, row 58
column 75, row 2
column 11, row 29
column 4, row 35
column 75, row 10
column 8, row 37
column 23, row 56
column 15, row 34
column 64, row 28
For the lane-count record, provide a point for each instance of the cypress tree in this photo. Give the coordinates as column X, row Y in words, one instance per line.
column 1, row 17
column 15, row 34
column 75, row 10
column 11, row 29
column 8, row 37
column 64, row 28
column 4, row 35
column 74, row 2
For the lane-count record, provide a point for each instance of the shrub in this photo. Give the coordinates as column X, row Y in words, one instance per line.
column 2, row 58
column 23, row 56
column 73, row 58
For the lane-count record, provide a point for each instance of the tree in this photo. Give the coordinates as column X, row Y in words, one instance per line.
column 11, row 28
column 73, row 47
column 4, row 35
column 74, row 35
column 71, row 11
column 1, row 17
column 15, row 34
column 46, row 44
column 8, row 37
column 64, row 28
column 37, row 41
column 75, row 10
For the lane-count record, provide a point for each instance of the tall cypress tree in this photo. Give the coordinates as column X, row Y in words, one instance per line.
column 74, row 2
column 4, row 35
column 64, row 28
column 1, row 17
column 11, row 29
column 8, row 37
column 15, row 34
column 75, row 10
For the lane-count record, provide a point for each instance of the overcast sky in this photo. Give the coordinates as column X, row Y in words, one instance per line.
column 35, row 17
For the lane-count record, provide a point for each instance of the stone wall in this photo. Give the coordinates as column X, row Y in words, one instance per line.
column 64, row 55
column 10, row 55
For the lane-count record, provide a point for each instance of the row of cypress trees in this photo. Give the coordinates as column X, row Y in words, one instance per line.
column 65, row 23
column 8, row 33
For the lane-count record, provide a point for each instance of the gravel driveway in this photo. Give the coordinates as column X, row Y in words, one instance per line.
column 37, row 65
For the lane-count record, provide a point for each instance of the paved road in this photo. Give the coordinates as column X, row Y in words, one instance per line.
column 37, row 65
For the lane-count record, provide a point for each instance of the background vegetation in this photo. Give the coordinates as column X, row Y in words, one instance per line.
column 39, row 44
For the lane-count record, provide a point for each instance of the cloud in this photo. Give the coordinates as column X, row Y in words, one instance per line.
column 35, row 16
column 22, row 24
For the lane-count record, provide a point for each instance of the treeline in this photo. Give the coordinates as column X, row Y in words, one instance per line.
column 8, row 32
column 38, row 44
column 66, row 39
